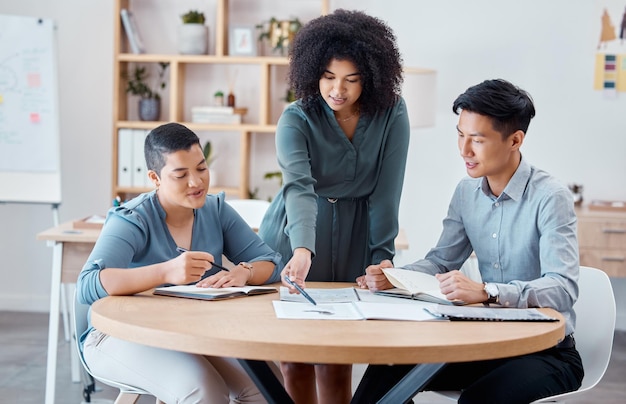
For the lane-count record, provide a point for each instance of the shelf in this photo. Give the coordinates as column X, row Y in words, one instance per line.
column 243, row 128
column 206, row 59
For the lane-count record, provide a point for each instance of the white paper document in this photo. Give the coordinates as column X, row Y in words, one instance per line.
column 355, row 310
column 341, row 295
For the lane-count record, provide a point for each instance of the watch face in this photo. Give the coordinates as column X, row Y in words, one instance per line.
column 491, row 289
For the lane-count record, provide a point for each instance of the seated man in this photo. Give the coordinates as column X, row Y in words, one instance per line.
column 521, row 224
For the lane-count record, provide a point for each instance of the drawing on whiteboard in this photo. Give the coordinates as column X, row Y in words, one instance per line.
column 28, row 112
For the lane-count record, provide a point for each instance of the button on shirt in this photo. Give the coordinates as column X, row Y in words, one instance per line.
column 525, row 240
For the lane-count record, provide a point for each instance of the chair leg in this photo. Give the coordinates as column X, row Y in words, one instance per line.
column 127, row 398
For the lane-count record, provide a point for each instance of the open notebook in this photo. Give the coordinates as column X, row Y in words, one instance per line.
column 194, row 292
column 414, row 285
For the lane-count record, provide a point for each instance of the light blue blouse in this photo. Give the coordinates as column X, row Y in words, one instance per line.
column 525, row 240
column 135, row 234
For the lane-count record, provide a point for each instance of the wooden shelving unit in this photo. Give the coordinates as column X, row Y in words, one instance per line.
column 174, row 112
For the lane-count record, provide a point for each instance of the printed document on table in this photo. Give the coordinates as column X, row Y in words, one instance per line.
column 341, row 295
column 356, row 310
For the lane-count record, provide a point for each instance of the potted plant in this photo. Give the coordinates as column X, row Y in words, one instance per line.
column 279, row 33
column 193, row 34
column 149, row 96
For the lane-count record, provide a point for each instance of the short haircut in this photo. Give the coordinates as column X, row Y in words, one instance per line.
column 166, row 139
column 509, row 107
column 353, row 36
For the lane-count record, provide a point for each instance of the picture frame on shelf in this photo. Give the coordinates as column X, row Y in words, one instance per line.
column 242, row 40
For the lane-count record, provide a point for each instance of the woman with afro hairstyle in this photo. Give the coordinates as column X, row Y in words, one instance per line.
column 342, row 149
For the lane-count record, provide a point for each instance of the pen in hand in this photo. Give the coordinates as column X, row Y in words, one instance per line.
column 299, row 289
column 182, row 250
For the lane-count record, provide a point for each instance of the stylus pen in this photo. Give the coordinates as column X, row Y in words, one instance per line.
column 302, row 292
column 182, row 250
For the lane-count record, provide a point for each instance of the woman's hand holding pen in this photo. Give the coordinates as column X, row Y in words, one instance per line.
column 297, row 269
column 188, row 267
column 374, row 278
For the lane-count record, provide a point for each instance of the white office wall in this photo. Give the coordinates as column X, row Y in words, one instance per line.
column 545, row 47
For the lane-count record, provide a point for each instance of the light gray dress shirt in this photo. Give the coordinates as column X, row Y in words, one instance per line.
column 525, row 240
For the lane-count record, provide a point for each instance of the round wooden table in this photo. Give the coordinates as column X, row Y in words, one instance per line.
column 247, row 328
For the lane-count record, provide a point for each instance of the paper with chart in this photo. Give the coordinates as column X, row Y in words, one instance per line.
column 321, row 295
column 356, row 310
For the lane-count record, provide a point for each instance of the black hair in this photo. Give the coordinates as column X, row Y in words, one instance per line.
column 509, row 107
column 347, row 35
column 166, row 139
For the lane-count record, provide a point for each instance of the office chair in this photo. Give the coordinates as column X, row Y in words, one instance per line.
column 128, row 394
column 595, row 328
column 251, row 210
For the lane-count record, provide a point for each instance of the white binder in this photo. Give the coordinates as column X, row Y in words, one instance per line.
column 140, row 172
column 125, row 157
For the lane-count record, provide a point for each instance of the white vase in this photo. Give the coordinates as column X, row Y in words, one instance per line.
column 193, row 39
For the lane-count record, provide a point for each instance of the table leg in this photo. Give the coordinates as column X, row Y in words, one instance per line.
column 261, row 374
column 53, row 325
column 412, row 383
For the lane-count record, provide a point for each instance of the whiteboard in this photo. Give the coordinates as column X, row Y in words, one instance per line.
column 29, row 119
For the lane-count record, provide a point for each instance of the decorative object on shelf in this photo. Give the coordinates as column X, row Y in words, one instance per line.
column 193, row 34
column 231, row 88
column 218, row 98
column 241, row 41
column 150, row 98
column 132, row 32
column 577, row 192
column 279, row 33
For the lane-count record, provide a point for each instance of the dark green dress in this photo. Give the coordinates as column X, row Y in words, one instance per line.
column 340, row 198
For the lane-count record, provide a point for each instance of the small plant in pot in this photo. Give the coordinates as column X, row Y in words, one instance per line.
column 150, row 97
column 193, row 35
column 279, row 33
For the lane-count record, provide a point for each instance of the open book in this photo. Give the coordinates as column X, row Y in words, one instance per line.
column 194, row 292
column 475, row 313
column 414, row 285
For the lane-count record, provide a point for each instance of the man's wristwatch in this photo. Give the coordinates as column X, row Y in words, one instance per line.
column 492, row 292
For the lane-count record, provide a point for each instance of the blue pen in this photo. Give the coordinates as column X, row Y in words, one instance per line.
column 299, row 289
column 182, row 250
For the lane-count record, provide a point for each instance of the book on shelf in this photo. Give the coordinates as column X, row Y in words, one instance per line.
column 195, row 292
column 414, row 285
column 216, row 118
column 478, row 313
column 132, row 32
column 216, row 109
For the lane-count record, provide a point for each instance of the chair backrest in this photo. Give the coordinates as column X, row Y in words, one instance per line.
column 251, row 210
column 595, row 328
column 81, row 312
column 595, row 323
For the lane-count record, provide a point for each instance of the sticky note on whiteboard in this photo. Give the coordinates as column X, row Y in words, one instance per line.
column 34, row 117
column 34, row 80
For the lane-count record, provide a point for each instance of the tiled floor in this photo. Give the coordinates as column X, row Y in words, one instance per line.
column 23, row 346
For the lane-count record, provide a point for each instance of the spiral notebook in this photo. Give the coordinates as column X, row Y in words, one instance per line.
column 475, row 313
